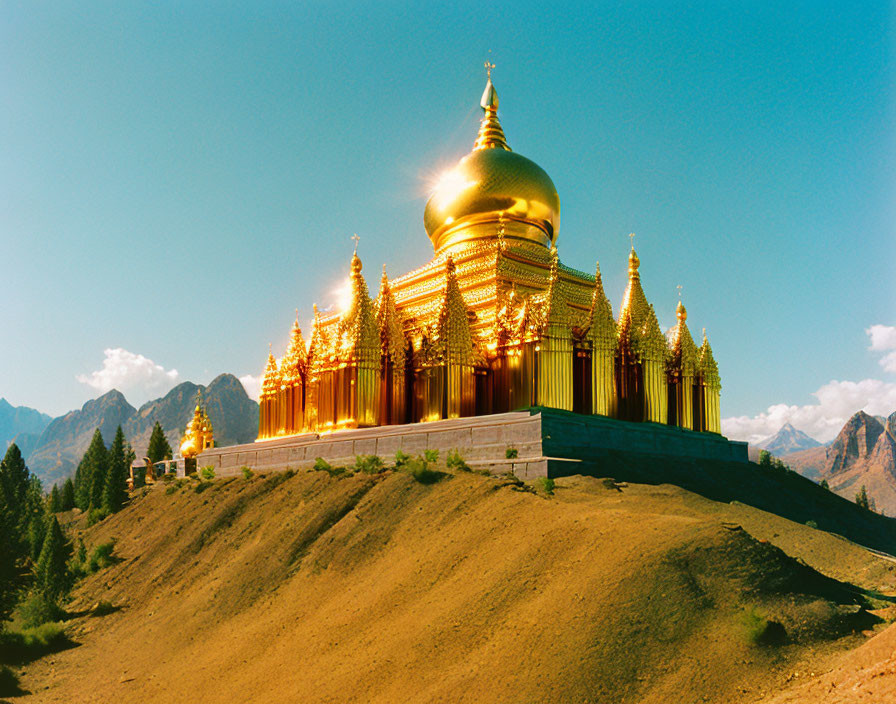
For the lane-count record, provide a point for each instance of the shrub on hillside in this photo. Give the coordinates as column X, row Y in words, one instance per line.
column 431, row 456
column 101, row 557
column 369, row 464
column 419, row 469
column 456, row 462
column 546, row 484
column 511, row 453
column 208, row 473
column 247, row 472
column 95, row 515
column 39, row 609
column 401, row 459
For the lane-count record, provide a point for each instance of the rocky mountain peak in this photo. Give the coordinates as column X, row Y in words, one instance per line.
column 855, row 441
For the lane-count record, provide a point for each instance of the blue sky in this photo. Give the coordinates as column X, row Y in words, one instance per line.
column 177, row 178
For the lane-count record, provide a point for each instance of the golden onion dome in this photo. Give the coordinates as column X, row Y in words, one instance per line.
column 492, row 188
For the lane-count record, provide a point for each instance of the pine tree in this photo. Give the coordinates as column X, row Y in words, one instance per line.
column 68, row 495
column 115, row 491
column 10, row 573
column 862, row 497
column 52, row 578
column 82, row 485
column 55, row 503
column 765, row 459
column 14, row 484
column 94, row 468
column 158, row 448
column 37, row 532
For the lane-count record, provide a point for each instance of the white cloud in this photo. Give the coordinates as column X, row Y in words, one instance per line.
column 883, row 339
column 837, row 402
column 252, row 385
column 137, row 377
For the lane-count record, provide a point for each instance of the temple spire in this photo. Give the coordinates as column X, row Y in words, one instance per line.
column 490, row 136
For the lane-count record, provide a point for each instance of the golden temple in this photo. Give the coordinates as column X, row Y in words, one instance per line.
column 199, row 435
column 493, row 323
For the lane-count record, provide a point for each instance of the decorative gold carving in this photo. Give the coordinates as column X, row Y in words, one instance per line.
column 199, row 434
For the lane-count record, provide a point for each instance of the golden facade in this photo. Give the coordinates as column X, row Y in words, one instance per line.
column 493, row 323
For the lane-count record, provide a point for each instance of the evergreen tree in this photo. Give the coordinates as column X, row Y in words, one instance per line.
column 55, row 503
column 94, row 468
column 52, row 578
column 82, row 485
column 10, row 572
column 862, row 497
column 37, row 531
column 68, row 495
column 824, row 484
column 765, row 459
column 158, row 448
column 115, row 491
column 14, row 484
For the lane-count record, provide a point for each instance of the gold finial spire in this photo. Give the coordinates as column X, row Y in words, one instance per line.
column 491, row 136
column 356, row 239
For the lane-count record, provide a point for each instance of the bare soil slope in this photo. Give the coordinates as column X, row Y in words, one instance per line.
column 312, row 588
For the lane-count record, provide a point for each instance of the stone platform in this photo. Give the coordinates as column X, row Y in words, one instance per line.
column 548, row 443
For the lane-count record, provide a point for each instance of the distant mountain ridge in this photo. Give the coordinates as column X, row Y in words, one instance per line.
column 862, row 454
column 21, row 425
column 788, row 439
column 234, row 417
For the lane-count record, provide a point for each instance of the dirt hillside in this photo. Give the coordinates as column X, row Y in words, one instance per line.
column 377, row 588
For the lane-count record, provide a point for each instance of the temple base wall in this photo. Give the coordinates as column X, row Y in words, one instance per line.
column 549, row 443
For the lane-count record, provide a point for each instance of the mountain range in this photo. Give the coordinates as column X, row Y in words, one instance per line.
column 862, row 454
column 788, row 439
column 54, row 455
column 21, row 425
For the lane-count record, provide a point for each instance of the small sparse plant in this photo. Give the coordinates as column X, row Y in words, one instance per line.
column 431, row 456
column 824, row 484
column 762, row 631
column 401, row 459
column 247, row 472
column 38, row 609
column 862, row 498
column 321, row 465
column 511, row 453
column 95, row 515
column 419, row 469
column 101, row 557
column 369, row 464
column 103, row 608
column 812, row 524
column 456, row 462
column 208, row 473
column 546, row 484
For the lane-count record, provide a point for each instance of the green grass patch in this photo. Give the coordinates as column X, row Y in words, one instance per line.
column 546, row 484
column 28, row 644
column 456, row 462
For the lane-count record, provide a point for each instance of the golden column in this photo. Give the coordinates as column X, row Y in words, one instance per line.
column 313, row 368
column 292, row 372
column 555, row 346
column 268, row 411
column 454, row 346
column 603, row 336
column 359, row 357
column 711, row 387
column 394, row 346
column 680, row 373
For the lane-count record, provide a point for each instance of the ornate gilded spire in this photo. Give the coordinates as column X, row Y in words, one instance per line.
column 392, row 339
column 635, row 307
column 358, row 334
column 707, row 366
column 271, row 381
column 455, row 341
column 491, row 136
column 293, row 364
column 650, row 343
column 555, row 305
column 684, row 353
column 600, row 324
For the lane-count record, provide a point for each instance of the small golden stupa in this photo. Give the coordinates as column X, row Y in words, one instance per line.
column 199, row 434
column 493, row 323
